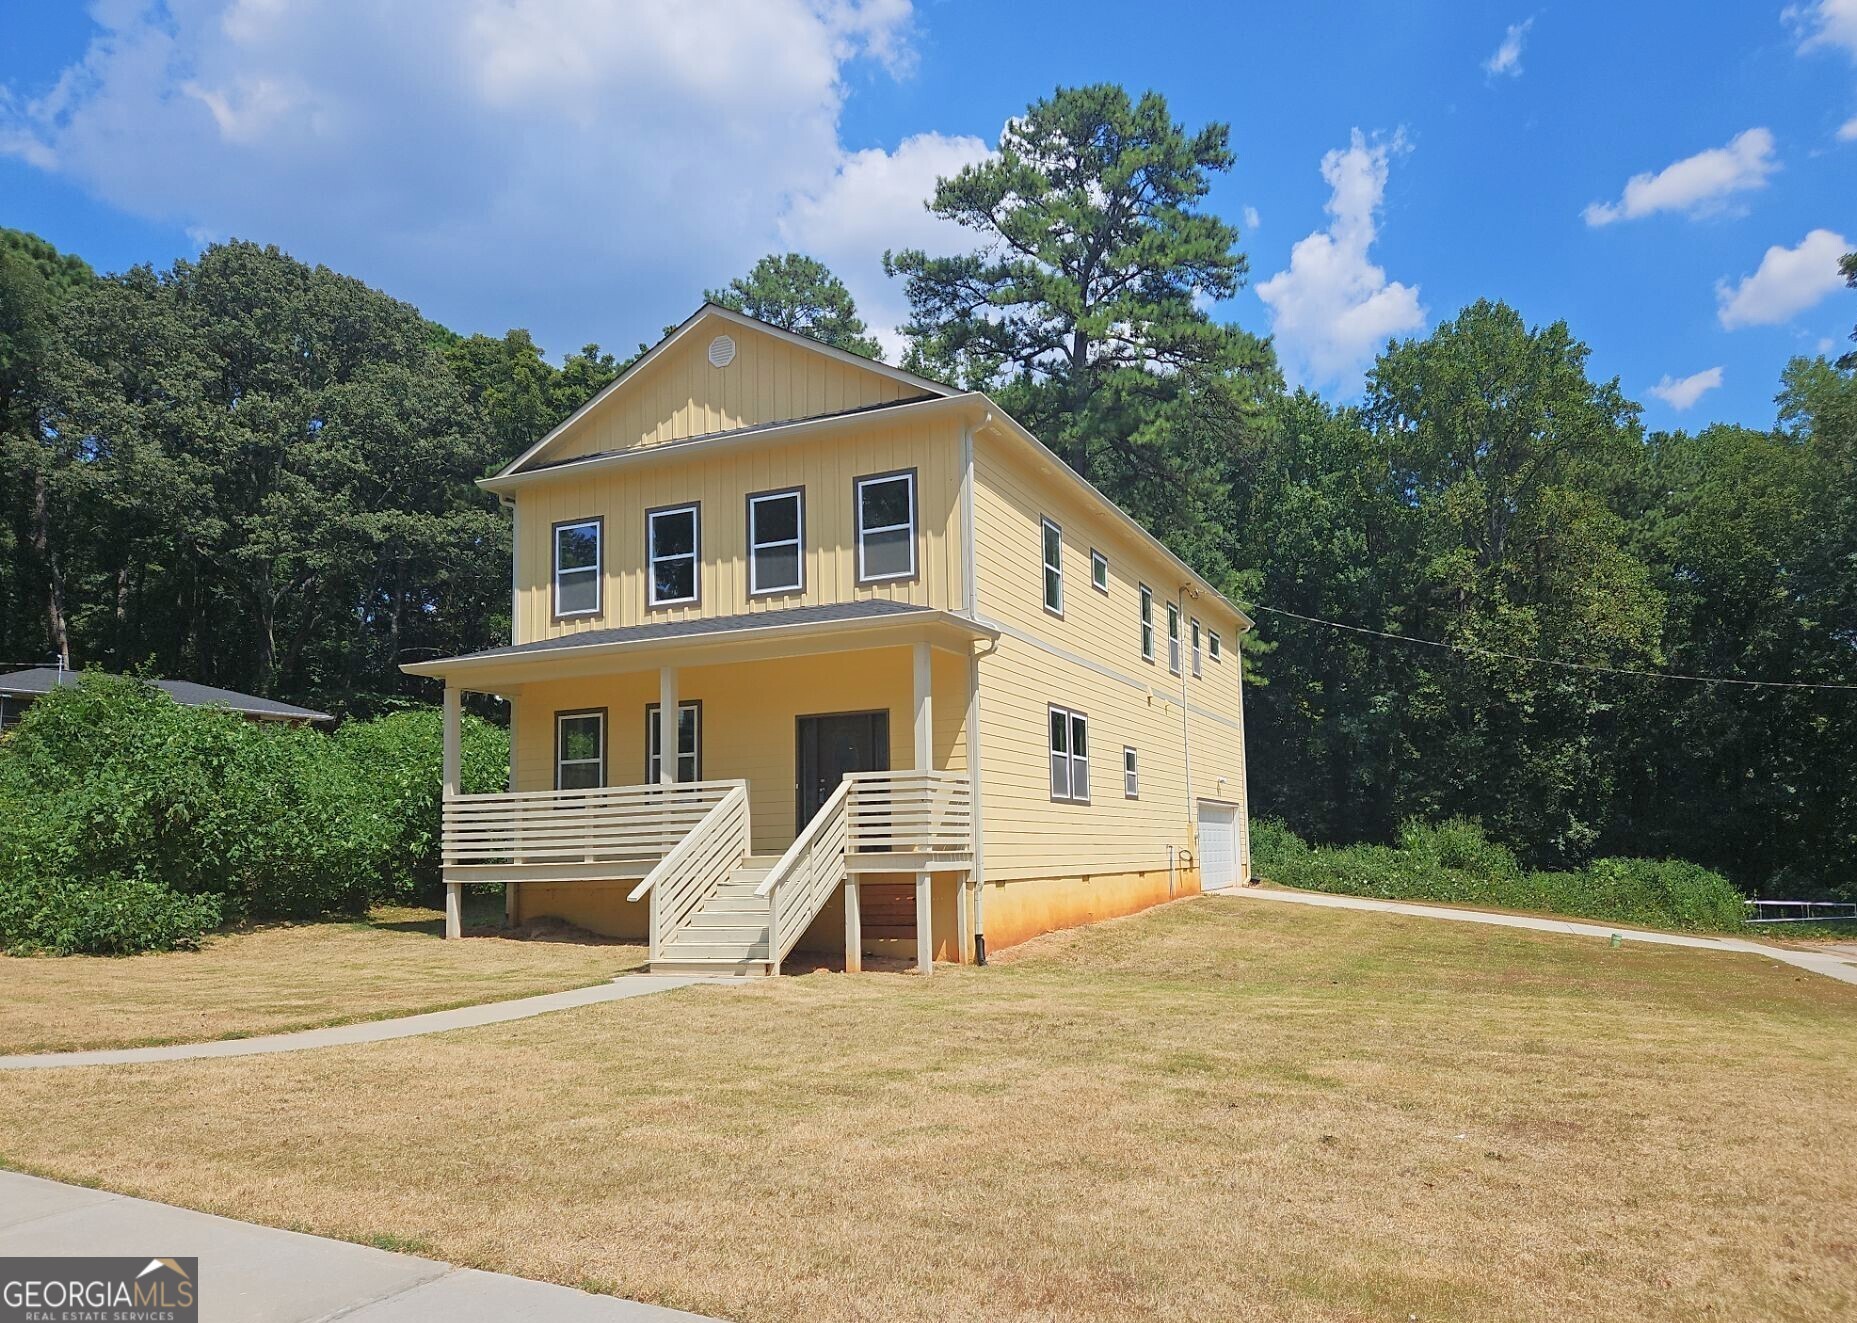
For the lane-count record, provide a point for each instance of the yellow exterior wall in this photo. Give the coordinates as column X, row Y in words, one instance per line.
column 680, row 394
column 826, row 467
column 1088, row 660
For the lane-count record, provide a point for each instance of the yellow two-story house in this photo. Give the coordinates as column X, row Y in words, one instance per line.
column 814, row 654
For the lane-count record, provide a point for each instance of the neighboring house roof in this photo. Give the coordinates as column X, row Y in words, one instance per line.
column 834, row 616
column 41, row 680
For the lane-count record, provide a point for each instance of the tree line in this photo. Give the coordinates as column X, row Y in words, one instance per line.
column 255, row 473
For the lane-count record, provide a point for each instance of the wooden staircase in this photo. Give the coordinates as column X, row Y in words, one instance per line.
column 727, row 931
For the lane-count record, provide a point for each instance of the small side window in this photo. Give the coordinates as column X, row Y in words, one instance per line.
column 1147, row 623
column 1131, row 775
column 1054, row 568
column 1099, row 571
column 1173, row 638
column 1212, row 646
column 1070, row 755
column 1196, row 666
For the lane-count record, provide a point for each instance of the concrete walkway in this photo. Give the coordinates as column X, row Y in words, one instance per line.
column 256, row 1274
column 1829, row 964
column 370, row 1031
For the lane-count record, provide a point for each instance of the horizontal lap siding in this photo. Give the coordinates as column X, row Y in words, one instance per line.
column 826, row 468
column 682, row 394
column 1138, row 703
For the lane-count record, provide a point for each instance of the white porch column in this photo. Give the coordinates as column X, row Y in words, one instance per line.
column 453, row 776
column 925, row 709
column 854, row 927
column 925, row 936
column 667, row 725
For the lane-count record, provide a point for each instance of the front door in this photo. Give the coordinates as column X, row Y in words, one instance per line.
column 832, row 746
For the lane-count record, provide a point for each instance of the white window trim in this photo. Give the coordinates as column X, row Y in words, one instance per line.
column 1198, row 669
column 599, row 760
column 597, row 568
column 652, row 733
column 1047, row 526
column 1214, row 649
column 1145, row 614
column 1131, row 773
column 906, row 476
column 1072, row 760
column 695, row 555
column 1097, row 558
column 798, row 542
column 1173, row 639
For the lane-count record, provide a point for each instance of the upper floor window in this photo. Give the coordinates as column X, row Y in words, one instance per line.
column 1173, row 638
column 1099, row 571
column 886, row 522
column 1213, row 649
column 580, row 749
column 672, row 546
column 1147, row 623
column 1197, row 671
column 1054, row 568
column 1070, row 755
column 776, row 533
column 577, row 568
column 689, row 742
column 1131, row 774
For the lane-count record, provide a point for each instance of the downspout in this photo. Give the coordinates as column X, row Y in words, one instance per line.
column 971, row 591
column 1186, row 722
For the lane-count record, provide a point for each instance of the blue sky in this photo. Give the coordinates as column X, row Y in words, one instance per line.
column 1674, row 181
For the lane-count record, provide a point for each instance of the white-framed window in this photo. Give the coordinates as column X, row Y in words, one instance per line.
column 1173, row 638
column 886, row 524
column 1099, row 571
column 1053, row 539
column 1131, row 774
column 689, row 742
column 1197, row 669
column 776, row 541
column 577, row 567
column 580, row 749
column 673, row 546
column 1147, row 623
column 1214, row 649
column 1070, row 755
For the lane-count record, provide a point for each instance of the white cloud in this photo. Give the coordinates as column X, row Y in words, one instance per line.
column 582, row 167
column 1847, row 131
column 1696, row 185
column 1508, row 57
column 1825, row 23
column 1682, row 392
column 874, row 201
column 1333, row 308
column 1251, row 219
column 1787, row 282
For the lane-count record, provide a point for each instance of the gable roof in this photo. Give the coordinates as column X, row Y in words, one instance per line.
column 37, row 681
column 709, row 313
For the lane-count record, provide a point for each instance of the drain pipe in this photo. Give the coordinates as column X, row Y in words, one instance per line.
column 977, row 866
column 1186, row 724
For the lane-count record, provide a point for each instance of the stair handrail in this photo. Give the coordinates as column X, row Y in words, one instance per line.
column 698, row 838
column 829, row 820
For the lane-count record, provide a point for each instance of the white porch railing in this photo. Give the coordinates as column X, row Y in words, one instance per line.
column 542, row 835
column 922, row 813
column 696, row 866
column 804, row 879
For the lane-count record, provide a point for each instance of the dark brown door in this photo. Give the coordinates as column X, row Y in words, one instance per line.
column 832, row 746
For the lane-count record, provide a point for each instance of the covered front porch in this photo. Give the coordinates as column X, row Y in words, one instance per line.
column 820, row 771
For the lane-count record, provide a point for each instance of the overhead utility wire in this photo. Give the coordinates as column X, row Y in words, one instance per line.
column 1549, row 661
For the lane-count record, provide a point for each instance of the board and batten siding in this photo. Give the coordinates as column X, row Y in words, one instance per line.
column 681, row 394
column 826, row 467
column 1089, row 659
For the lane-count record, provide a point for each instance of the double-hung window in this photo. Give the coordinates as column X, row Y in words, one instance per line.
column 1131, row 774
column 1213, row 648
column 1147, row 623
column 886, row 523
column 1099, row 571
column 580, row 749
column 776, row 534
column 673, row 544
column 689, row 743
column 1173, row 638
column 1197, row 670
column 577, row 568
column 1070, row 756
column 1054, row 568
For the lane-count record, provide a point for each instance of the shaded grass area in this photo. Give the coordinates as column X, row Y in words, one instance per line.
column 277, row 977
column 1215, row 1110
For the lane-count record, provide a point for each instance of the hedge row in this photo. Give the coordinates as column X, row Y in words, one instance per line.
column 131, row 823
column 1454, row 861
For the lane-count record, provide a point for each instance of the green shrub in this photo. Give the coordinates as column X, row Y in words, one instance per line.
column 121, row 807
column 1274, row 847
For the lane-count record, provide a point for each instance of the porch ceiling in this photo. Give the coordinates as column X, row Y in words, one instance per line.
column 716, row 640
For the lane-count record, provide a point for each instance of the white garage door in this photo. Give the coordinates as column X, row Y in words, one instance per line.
column 1218, row 845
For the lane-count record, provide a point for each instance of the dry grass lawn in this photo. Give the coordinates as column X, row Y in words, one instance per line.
column 286, row 976
column 1218, row 1110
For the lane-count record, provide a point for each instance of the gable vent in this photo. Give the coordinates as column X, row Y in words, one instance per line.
column 721, row 351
